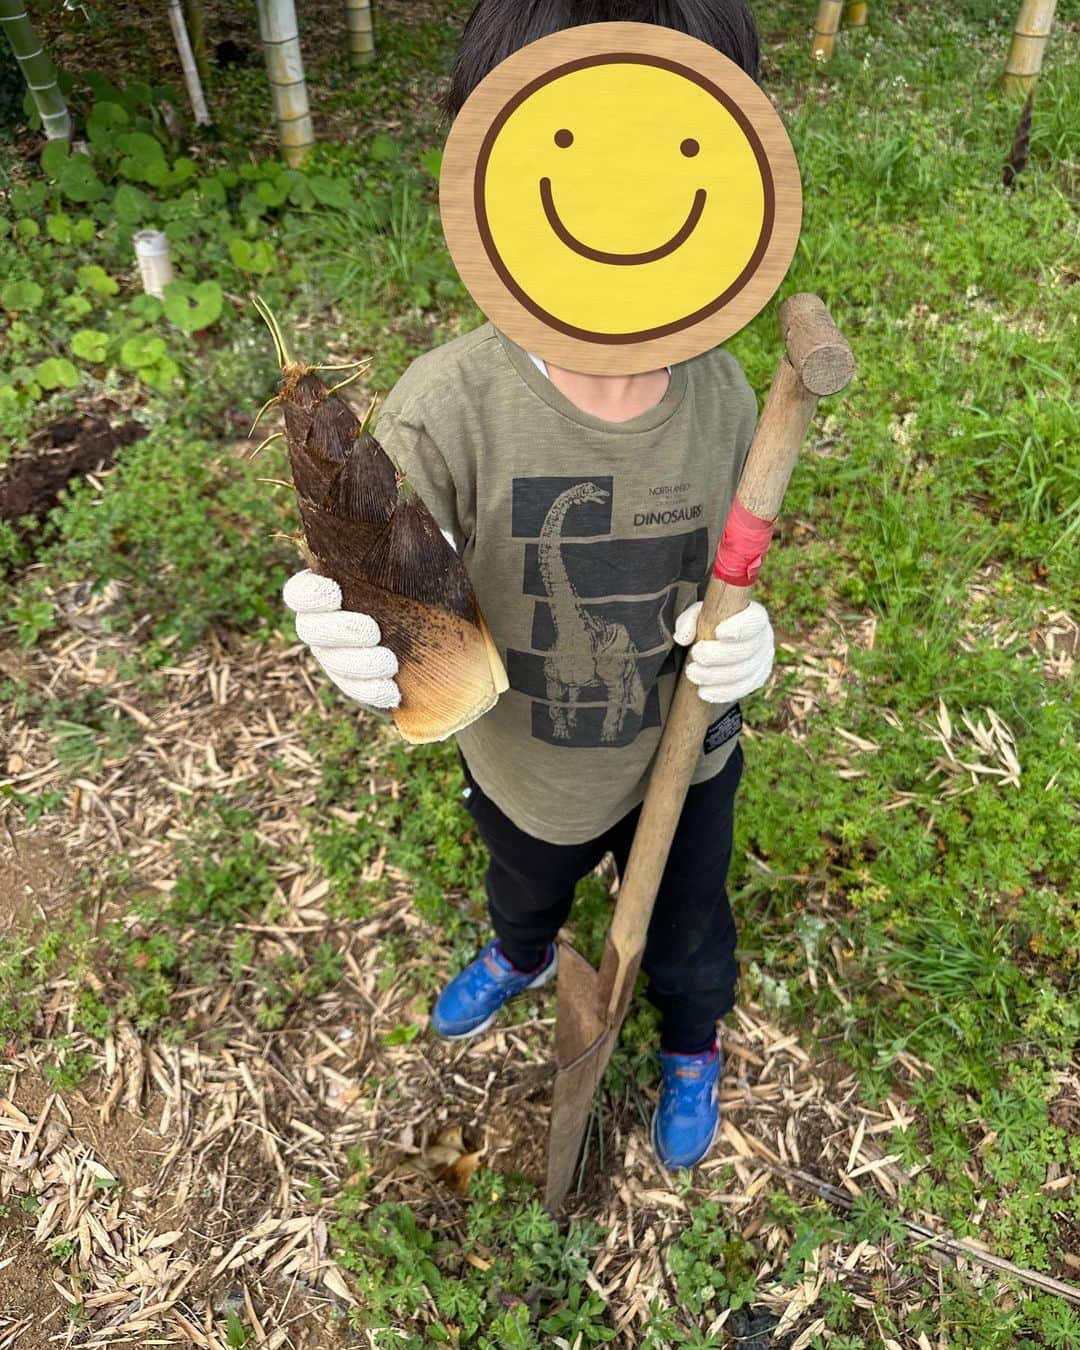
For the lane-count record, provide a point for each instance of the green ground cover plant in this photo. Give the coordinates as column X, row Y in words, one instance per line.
column 894, row 908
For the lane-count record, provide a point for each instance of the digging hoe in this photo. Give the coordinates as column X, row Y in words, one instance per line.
column 592, row 1004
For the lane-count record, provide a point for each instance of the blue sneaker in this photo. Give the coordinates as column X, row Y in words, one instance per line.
column 471, row 1000
column 686, row 1120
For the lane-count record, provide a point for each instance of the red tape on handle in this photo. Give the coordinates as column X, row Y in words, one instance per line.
column 743, row 546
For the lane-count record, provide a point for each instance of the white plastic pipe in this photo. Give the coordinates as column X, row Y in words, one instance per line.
column 155, row 264
column 187, row 63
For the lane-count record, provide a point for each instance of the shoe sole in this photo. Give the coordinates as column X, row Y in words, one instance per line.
column 545, row 975
column 681, row 1167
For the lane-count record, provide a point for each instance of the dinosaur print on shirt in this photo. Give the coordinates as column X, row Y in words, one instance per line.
column 603, row 617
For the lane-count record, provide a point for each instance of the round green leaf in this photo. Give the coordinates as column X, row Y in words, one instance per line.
column 141, row 145
column 146, row 307
column 144, row 159
column 26, row 197
column 105, row 123
column 59, row 227
column 95, row 278
column 90, row 344
column 21, row 295
column 300, row 193
column 382, row 148
column 75, row 307
column 331, row 191
column 156, row 173
column 54, row 158
column 56, row 372
column 162, row 375
column 182, row 169
column 252, row 205
column 79, row 182
column 103, row 89
column 176, row 231
column 272, row 194
column 212, row 190
column 82, row 231
column 193, row 307
column 27, row 228
column 251, row 255
column 131, row 205
column 139, row 352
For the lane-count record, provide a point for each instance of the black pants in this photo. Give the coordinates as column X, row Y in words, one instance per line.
column 690, row 950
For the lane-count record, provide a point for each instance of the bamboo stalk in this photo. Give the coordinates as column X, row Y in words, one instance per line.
column 825, row 29
column 855, row 14
column 38, row 71
column 188, row 64
column 193, row 17
column 361, row 35
column 288, row 88
column 1025, row 58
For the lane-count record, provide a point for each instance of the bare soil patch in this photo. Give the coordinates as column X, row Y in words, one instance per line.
column 31, row 481
column 37, row 877
column 31, row 1311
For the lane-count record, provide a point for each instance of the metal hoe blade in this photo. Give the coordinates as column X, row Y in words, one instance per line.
column 583, row 1045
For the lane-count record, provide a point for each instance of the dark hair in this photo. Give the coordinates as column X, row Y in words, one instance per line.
column 496, row 28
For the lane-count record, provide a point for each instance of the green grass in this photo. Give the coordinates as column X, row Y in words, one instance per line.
column 942, row 501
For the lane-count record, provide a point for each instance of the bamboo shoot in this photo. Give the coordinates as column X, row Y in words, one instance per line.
column 364, row 526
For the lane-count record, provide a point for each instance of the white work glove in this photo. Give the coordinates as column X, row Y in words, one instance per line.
column 344, row 643
column 737, row 662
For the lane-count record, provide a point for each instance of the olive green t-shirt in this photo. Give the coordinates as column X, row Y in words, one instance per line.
column 583, row 539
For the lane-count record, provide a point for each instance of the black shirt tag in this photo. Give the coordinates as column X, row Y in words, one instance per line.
column 723, row 729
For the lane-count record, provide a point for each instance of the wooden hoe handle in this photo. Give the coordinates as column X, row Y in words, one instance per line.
column 817, row 361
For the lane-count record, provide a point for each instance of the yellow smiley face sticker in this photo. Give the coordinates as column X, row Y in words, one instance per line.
column 619, row 196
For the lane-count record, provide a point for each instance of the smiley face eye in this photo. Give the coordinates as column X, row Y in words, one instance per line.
column 564, row 138
column 689, row 147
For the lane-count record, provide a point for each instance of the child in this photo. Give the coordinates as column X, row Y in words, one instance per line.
column 587, row 510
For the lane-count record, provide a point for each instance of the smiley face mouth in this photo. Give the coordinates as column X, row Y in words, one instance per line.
column 681, row 235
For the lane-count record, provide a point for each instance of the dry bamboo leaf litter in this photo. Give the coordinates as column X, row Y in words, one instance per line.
column 238, row 1129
